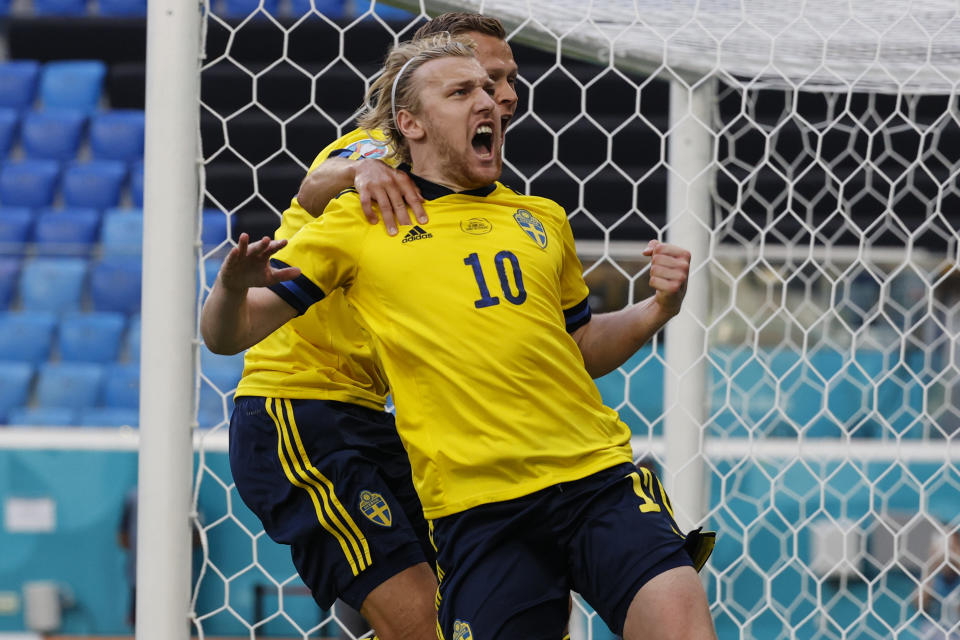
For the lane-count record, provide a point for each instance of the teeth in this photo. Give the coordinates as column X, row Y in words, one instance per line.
column 484, row 128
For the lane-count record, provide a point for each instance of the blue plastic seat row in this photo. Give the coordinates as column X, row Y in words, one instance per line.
column 82, row 7
column 58, row 393
column 330, row 8
column 64, row 417
column 34, row 183
column 63, row 284
column 76, row 231
column 68, row 385
column 57, row 133
column 69, row 84
column 99, row 337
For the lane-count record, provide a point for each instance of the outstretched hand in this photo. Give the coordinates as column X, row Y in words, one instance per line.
column 392, row 190
column 669, row 270
column 248, row 265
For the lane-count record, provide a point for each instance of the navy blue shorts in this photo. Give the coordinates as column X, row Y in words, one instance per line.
column 506, row 568
column 331, row 480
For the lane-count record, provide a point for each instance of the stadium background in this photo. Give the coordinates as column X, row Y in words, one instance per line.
column 70, row 198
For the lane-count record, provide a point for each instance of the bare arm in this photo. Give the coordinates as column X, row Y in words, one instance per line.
column 609, row 339
column 240, row 311
column 376, row 182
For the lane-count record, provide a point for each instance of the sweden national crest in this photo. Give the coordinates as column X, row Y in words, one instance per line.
column 532, row 227
column 462, row 631
column 375, row 508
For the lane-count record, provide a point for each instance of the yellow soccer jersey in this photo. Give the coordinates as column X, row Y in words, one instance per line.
column 471, row 314
column 324, row 355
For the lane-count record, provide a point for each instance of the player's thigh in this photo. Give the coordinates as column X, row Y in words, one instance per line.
column 374, row 436
column 347, row 532
column 628, row 538
column 402, row 607
column 670, row 606
column 499, row 577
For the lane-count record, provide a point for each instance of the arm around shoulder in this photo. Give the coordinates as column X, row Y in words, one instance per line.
column 322, row 185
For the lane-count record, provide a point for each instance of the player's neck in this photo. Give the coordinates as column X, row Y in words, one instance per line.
column 439, row 177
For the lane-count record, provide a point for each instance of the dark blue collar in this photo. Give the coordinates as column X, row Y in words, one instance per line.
column 432, row 190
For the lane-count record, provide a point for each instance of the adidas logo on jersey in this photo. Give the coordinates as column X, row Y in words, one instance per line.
column 417, row 233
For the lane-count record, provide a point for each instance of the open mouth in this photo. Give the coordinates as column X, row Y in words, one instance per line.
column 482, row 140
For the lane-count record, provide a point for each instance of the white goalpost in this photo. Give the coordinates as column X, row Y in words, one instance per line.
column 804, row 403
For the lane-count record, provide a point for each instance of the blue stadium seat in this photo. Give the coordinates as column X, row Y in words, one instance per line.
column 74, row 385
column 4, row 7
column 224, row 373
column 214, row 228
column 66, row 231
column 330, row 8
column 121, row 389
column 26, row 336
column 211, row 267
column 9, row 274
column 136, row 183
column 131, row 343
column 243, row 8
column 90, row 337
column 94, row 184
column 122, row 232
column 30, row 183
column 16, row 226
column 52, row 133
column 385, row 11
column 18, row 83
column 109, row 417
column 43, row 417
column 117, row 135
column 122, row 7
column 52, row 284
column 9, row 119
column 73, row 84
column 15, row 378
column 115, row 284
column 60, row 7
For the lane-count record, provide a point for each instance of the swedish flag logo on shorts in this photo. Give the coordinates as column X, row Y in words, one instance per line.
column 462, row 631
column 375, row 508
column 532, row 227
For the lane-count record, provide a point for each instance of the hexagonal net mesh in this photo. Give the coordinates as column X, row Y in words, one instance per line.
column 815, row 368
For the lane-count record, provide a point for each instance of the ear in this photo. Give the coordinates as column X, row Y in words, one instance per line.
column 410, row 125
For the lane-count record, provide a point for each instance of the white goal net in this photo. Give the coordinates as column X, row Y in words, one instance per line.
column 806, row 402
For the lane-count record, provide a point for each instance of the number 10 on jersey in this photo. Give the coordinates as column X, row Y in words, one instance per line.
column 500, row 261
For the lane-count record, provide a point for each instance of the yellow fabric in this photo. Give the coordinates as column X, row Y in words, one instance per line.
column 493, row 401
column 325, row 354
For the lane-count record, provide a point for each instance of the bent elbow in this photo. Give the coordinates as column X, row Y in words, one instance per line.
column 217, row 343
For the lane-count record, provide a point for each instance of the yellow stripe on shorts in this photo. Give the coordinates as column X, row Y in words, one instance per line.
column 317, row 495
column 312, row 470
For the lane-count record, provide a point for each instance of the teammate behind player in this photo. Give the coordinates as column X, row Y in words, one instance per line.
column 376, row 179
column 312, row 451
column 477, row 315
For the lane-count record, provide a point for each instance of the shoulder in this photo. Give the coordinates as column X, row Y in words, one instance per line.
column 361, row 144
column 344, row 207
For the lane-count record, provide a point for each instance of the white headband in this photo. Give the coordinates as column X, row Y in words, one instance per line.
column 393, row 92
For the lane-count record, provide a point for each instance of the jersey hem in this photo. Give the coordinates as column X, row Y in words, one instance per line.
column 609, row 458
column 312, row 394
